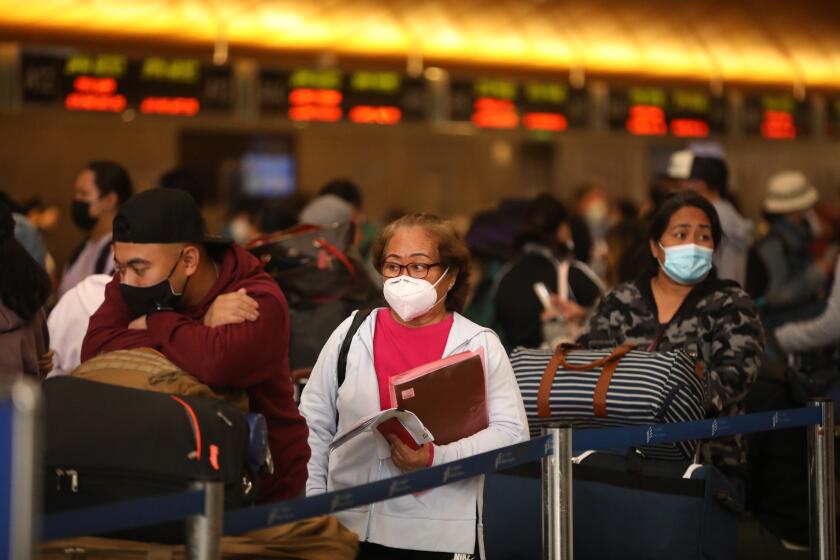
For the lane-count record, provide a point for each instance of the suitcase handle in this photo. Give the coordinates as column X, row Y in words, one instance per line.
column 599, row 399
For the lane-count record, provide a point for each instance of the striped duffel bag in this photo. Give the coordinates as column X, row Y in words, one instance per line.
column 608, row 388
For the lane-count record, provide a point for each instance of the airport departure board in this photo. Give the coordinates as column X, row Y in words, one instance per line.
column 659, row 111
column 157, row 85
column 538, row 105
column 331, row 95
column 112, row 83
column 775, row 116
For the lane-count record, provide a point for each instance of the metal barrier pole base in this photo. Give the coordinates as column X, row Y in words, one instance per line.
column 821, row 483
column 204, row 532
column 27, row 446
column 557, row 495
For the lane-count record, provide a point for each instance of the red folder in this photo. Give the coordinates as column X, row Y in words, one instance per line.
column 393, row 426
column 449, row 396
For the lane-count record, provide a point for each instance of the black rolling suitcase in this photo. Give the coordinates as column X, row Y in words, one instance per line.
column 106, row 444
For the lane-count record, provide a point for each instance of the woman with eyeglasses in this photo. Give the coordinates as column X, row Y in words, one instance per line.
column 425, row 267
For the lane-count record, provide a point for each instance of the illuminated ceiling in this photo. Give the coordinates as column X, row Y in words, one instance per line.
column 767, row 41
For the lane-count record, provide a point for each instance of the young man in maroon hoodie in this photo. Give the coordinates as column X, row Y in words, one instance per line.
column 208, row 307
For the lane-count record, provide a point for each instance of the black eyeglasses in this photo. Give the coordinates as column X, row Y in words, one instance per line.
column 415, row 270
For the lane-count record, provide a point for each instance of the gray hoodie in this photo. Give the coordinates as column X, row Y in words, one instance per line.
column 738, row 233
column 22, row 343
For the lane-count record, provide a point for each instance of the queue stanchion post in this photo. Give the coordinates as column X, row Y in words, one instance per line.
column 557, row 495
column 821, row 483
column 26, row 449
column 204, row 532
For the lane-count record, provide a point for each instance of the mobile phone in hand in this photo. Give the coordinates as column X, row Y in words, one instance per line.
column 543, row 295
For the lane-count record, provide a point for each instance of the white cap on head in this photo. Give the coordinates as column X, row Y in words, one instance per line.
column 679, row 167
column 789, row 191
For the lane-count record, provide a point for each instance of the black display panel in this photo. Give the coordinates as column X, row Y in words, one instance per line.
column 114, row 83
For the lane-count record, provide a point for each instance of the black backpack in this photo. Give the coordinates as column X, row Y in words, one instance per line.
column 323, row 279
column 309, row 263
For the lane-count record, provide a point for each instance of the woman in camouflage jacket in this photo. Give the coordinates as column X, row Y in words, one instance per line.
column 678, row 302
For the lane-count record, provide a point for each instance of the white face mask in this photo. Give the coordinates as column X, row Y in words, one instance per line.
column 411, row 297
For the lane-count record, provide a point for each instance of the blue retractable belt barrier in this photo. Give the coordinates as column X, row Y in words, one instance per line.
column 244, row 520
column 150, row 511
column 123, row 515
column 238, row 522
column 633, row 436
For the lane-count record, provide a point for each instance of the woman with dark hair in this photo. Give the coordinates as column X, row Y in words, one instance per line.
column 425, row 267
column 677, row 302
column 24, row 288
column 546, row 255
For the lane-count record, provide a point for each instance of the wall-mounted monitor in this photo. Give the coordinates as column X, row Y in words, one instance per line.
column 266, row 175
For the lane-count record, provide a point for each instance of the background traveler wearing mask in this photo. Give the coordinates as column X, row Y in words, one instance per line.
column 593, row 209
column 425, row 265
column 207, row 306
column 99, row 191
column 678, row 302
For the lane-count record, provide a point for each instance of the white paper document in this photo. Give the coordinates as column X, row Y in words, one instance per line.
column 410, row 422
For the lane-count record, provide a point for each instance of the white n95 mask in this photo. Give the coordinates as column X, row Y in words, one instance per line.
column 411, row 297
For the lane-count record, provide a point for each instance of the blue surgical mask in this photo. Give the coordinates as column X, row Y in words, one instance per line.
column 687, row 264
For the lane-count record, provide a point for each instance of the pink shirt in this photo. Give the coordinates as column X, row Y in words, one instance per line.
column 397, row 348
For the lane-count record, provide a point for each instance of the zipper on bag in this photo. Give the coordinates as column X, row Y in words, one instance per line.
column 195, row 428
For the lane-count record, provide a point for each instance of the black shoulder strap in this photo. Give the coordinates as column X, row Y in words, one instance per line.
column 341, row 366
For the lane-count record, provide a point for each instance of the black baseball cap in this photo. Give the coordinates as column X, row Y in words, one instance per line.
column 162, row 216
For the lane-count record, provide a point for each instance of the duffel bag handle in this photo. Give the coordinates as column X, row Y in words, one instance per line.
column 563, row 349
column 599, row 400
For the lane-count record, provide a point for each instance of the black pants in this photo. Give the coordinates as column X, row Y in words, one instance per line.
column 370, row 551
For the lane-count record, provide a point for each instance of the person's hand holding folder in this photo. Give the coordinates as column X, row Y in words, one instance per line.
column 449, row 395
column 407, row 459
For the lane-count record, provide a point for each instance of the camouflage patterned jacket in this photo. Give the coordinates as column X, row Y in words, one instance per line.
column 718, row 321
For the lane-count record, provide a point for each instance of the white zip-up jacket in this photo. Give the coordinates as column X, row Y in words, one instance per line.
column 440, row 520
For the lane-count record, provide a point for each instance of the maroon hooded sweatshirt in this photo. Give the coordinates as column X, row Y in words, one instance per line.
column 251, row 355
